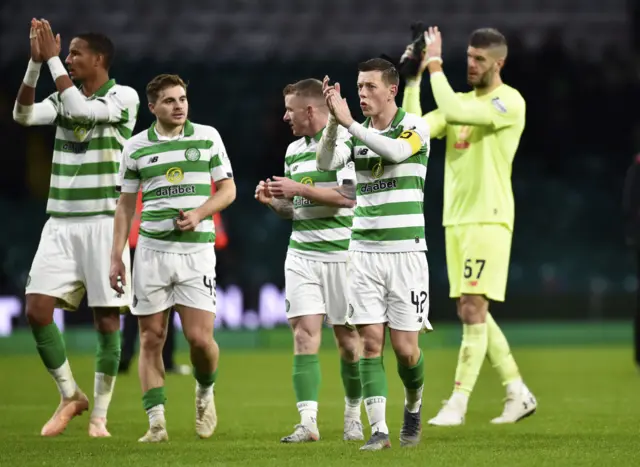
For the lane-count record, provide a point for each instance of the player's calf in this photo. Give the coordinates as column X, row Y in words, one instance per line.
column 107, row 322
column 411, row 371
column 348, row 342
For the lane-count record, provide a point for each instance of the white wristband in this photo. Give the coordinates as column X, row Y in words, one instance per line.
column 56, row 67
column 434, row 59
column 32, row 74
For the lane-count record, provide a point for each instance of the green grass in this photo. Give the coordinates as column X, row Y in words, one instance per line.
column 589, row 414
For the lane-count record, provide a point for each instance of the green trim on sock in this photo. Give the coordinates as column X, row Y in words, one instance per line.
column 306, row 377
column 108, row 353
column 153, row 397
column 412, row 377
column 350, row 373
column 374, row 378
column 50, row 345
column 205, row 379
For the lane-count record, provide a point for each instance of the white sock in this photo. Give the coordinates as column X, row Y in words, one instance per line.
column 515, row 387
column 376, row 412
column 413, row 399
column 156, row 415
column 204, row 392
column 352, row 408
column 64, row 379
column 308, row 413
column 459, row 400
column 102, row 392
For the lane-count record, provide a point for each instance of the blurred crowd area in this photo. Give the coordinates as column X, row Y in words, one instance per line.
column 583, row 126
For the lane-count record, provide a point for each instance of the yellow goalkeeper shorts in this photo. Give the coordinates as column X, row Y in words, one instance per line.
column 478, row 260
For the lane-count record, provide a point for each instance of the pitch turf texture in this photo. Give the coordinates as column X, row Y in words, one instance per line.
column 589, row 415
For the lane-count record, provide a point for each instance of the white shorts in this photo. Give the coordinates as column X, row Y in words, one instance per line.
column 390, row 288
column 315, row 288
column 74, row 257
column 161, row 280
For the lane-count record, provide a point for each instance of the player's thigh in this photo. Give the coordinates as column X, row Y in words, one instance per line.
column 334, row 289
column 195, row 284
column 152, row 283
column 55, row 271
column 303, row 287
column 408, row 285
column 454, row 261
column 486, row 249
column 366, row 291
column 96, row 261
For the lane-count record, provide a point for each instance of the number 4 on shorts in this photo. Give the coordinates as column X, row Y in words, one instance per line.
column 418, row 299
column 470, row 265
column 208, row 283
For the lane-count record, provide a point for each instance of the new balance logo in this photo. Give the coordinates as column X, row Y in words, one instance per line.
column 153, row 160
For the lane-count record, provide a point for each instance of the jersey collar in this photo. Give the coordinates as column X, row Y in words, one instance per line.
column 394, row 123
column 188, row 130
column 316, row 137
column 102, row 90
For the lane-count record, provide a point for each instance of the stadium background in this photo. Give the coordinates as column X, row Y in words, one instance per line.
column 572, row 60
column 571, row 288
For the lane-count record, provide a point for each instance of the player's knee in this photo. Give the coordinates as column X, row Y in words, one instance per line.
column 306, row 340
column 39, row 309
column 349, row 349
column 107, row 320
column 152, row 338
column 472, row 309
column 406, row 348
column 200, row 340
column 372, row 340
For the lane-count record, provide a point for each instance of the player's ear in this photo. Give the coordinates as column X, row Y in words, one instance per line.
column 151, row 108
column 393, row 90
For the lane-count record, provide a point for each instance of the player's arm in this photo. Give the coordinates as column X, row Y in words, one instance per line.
column 394, row 150
column 26, row 111
column 411, row 103
column 333, row 152
column 471, row 112
column 126, row 207
column 222, row 175
column 285, row 188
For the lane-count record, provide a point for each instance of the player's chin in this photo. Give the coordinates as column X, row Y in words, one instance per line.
column 367, row 111
column 178, row 119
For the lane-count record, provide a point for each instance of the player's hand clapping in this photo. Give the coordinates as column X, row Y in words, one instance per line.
column 48, row 43
column 262, row 192
column 188, row 220
column 36, row 56
column 433, row 39
column 336, row 103
column 283, row 187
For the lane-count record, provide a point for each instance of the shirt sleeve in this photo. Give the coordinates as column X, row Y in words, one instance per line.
column 347, row 173
column 219, row 164
column 395, row 150
column 500, row 112
column 334, row 150
column 129, row 176
column 41, row 113
column 411, row 98
column 115, row 107
column 437, row 123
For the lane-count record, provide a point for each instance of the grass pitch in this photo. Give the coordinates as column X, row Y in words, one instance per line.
column 588, row 415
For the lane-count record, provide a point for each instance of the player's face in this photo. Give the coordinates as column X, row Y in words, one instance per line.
column 171, row 108
column 81, row 62
column 481, row 67
column 374, row 93
column 297, row 114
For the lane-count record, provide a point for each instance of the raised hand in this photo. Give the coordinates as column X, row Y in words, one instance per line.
column 433, row 39
column 48, row 43
column 36, row 56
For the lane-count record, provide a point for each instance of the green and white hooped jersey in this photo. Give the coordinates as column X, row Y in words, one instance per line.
column 174, row 174
column 389, row 216
column 86, row 155
column 319, row 232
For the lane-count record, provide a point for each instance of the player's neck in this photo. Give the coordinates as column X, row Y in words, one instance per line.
column 384, row 118
column 91, row 85
column 168, row 131
column 315, row 128
column 497, row 82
